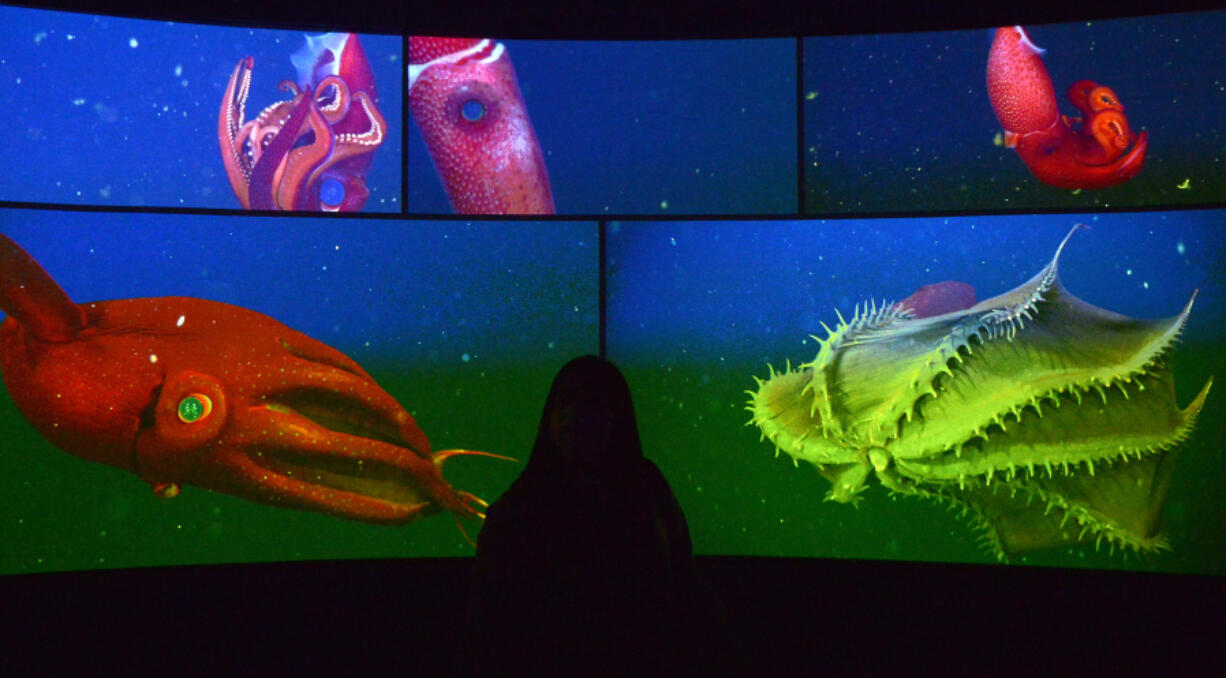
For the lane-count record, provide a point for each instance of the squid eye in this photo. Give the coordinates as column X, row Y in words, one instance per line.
column 472, row 110
column 194, row 407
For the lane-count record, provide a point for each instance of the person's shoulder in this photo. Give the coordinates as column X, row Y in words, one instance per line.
column 648, row 472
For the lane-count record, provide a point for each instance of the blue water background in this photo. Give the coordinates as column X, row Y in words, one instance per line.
column 697, row 309
column 902, row 122
column 699, row 127
column 746, row 290
column 110, row 111
column 406, row 292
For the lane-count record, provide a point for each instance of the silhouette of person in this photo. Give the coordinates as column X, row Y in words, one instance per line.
column 585, row 563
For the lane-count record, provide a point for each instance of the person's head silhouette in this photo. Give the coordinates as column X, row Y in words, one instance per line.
column 587, row 427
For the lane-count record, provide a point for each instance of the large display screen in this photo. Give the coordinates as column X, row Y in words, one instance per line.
column 947, row 296
column 401, row 300
column 735, row 378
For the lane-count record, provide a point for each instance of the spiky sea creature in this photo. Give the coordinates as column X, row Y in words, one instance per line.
column 1050, row 421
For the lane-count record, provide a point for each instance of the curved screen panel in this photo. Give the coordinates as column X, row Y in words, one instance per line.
column 791, row 400
column 306, row 338
column 885, row 386
column 906, row 122
column 124, row 112
column 650, row 128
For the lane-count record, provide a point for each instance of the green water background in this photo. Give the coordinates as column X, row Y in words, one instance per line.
column 739, row 499
column 63, row 513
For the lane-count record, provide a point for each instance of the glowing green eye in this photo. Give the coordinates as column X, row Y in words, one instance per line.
column 194, row 408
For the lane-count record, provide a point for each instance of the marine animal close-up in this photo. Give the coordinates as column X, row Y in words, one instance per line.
column 181, row 390
column 465, row 98
column 1045, row 419
column 1091, row 151
column 312, row 152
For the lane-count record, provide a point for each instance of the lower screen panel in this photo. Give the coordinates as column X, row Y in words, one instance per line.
column 464, row 325
column 698, row 310
column 434, row 312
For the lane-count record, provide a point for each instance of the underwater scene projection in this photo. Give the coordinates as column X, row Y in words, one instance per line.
column 1076, row 115
column 145, row 113
column 343, row 388
column 668, row 127
column 466, row 102
column 980, row 389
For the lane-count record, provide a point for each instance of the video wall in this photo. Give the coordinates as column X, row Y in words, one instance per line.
column 949, row 296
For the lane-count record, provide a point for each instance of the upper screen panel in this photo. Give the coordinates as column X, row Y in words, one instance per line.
column 132, row 113
column 599, row 128
column 968, row 120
